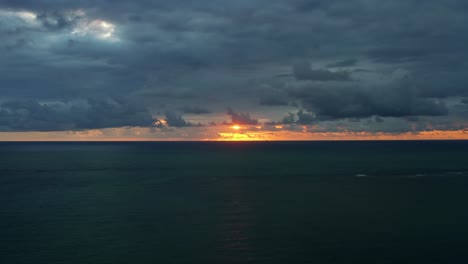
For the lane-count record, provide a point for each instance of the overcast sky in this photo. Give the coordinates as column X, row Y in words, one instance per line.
column 188, row 69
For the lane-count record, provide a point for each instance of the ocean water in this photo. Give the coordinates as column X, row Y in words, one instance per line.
column 264, row 202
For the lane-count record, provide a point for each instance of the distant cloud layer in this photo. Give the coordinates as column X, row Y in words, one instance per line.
column 75, row 65
column 241, row 118
column 32, row 116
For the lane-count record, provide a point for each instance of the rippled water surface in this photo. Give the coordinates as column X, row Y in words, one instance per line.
column 270, row 202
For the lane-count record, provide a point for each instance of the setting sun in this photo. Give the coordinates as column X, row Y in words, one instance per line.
column 236, row 127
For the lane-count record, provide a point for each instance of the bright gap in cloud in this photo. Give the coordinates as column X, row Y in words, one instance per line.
column 26, row 17
column 98, row 28
column 84, row 26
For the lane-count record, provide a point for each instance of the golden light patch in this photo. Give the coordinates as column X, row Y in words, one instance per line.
column 160, row 122
column 236, row 127
column 242, row 137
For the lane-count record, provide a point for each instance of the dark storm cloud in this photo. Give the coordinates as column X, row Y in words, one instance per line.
column 305, row 118
column 16, row 44
column 273, row 101
column 173, row 54
column 175, row 120
column 303, row 71
column 269, row 96
column 58, row 20
column 336, row 103
column 85, row 114
column 301, row 117
column 398, row 54
column 343, row 63
column 196, row 110
column 241, row 118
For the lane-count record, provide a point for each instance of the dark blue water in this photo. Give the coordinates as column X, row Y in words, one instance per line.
column 296, row 202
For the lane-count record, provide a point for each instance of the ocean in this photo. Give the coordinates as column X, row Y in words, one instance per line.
column 234, row 202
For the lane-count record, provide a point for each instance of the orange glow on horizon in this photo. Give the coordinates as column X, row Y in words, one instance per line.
column 242, row 137
column 336, row 136
column 222, row 133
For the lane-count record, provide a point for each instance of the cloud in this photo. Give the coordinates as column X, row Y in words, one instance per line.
column 387, row 101
column 166, row 55
column 289, row 119
column 241, row 118
column 343, row 63
column 196, row 110
column 303, row 71
column 176, row 120
column 397, row 54
column 273, row 101
column 305, row 118
column 58, row 20
column 271, row 95
column 29, row 115
column 301, row 117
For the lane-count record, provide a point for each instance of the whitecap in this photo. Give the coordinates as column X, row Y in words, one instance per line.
column 361, row 175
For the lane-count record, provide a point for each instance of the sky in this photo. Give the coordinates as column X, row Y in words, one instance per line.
column 233, row 70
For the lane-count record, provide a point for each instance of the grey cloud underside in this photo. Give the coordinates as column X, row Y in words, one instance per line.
column 343, row 63
column 196, row 110
column 175, row 120
column 301, row 117
column 302, row 71
column 89, row 114
column 336, row 103
column 241, row 118
column 273, row 101
column 199, row 57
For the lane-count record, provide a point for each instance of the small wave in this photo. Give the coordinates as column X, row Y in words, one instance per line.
column 361, row 175
column 454, row 172
column 33, row 171
column 440, row 174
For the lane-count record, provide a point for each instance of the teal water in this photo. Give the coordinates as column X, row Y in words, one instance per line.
column 269, row 202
